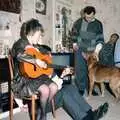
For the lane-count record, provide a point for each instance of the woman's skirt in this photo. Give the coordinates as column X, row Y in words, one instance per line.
column 25, row 87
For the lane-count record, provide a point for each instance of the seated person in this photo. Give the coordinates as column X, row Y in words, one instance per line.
column 106, row 54
column 23, row 85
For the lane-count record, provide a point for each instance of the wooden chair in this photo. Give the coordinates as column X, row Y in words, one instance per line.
column 32, row 98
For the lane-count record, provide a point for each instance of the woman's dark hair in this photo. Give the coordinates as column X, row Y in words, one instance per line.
column 89, row 9
column 30, row 27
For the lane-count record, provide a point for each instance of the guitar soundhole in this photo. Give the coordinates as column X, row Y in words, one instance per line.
column 35, row 68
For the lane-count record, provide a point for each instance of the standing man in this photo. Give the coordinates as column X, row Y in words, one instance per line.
column 87, row 36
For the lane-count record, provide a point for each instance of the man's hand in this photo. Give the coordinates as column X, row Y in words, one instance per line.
column 97, row 50
column 75, row 46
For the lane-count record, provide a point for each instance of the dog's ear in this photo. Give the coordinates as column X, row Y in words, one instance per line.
column 90, row 59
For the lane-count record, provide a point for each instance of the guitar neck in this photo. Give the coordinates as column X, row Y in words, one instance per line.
column 56, row 66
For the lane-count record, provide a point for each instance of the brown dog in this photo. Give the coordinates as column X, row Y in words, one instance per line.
column 99, row 73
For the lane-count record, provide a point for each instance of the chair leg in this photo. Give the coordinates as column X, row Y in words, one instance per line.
column 33, row 107
column 11, row 107
column 53, row 109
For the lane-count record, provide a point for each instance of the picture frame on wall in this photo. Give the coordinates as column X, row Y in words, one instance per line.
column 41, row 6
column 10, row 6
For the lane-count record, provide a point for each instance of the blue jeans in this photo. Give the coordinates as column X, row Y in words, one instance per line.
column 81, row 71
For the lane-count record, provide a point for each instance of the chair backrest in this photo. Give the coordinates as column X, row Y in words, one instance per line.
column 11, row 65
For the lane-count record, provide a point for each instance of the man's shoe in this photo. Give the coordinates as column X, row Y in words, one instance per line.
column 101, row 111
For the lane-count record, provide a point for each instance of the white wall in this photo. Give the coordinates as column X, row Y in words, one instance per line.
column 14, row 24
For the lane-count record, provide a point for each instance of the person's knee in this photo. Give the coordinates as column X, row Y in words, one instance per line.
column 53, row 87
column 44, row 90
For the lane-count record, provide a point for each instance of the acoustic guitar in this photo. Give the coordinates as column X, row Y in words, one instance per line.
column 33, row 71
column 30, row 70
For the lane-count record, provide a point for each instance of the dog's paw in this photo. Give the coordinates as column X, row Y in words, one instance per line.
column 102, row 95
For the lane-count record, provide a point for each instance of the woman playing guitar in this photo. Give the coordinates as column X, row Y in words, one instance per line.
column 31, row 32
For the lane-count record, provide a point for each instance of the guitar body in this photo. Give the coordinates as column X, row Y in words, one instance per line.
column 33, row 71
